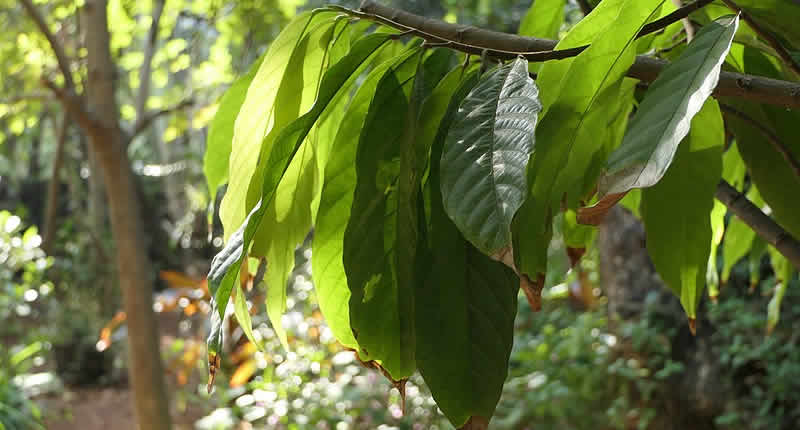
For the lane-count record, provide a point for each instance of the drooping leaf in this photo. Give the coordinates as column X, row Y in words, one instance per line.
column 290, row 216
column 465, row 308
column 242, row 313
column 774, row 306
column 271, row 102
column 330, row 281
column 485, row 155
column 665, row 114
column 677, row 210
column 220, row 131
column 717, row 231
column 574, row 126
column 227, row 262
column 737, row 242
column 380, row 239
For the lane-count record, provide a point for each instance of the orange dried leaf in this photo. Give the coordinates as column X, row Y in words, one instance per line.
column 595, row 214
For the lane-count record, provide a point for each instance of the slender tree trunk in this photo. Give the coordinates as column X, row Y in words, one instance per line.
column 51, row 207
column 108, row 142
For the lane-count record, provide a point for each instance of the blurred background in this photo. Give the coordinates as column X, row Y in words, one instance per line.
column 610, row 350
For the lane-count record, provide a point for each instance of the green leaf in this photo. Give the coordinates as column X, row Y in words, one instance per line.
column 243, row 316
column 737, row 242
column 779, row 17
column 776, row 180
column 677, row 210
column 220, row 131
column 225, row 265
column 543, row 19
column 665, row 114
column 485, row 155
column 380, row 240
column 575, row 94
column 774, row 306
column 465, row 309
column 274, row 99
column 330, row 281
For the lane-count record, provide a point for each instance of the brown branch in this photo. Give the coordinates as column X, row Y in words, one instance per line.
column 476, row 41
column 61, row 56
column 763, row 225
column 687, row 25
column 148, row 119
column 586, row 8
column 677, row 15
column 75, row 106
column 773, row 138
column 147, row 64
column 766, row 35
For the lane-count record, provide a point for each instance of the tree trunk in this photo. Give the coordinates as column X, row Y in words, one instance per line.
column 693, row 398
column 108, row 143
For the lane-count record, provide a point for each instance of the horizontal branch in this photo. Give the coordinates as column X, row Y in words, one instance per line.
column 145, row 121
column 762, row 224
column 476, row 41
column 75, row 106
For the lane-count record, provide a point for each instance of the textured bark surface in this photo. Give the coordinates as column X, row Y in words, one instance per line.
column 695, row 396
column 108, row 143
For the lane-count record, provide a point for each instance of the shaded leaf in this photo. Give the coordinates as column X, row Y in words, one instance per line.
column 465, row 308
column 485, row 154
column 677, row 210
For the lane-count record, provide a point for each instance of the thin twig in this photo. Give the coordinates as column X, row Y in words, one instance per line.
column 505, row 46
column 766, row 35
column 762, row 224
column 773, row 138
column 61, row 56
column 76, row 107
column 677, row 15
column 148, row 119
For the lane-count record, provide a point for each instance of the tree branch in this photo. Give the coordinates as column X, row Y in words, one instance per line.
column 677, row 15
column 763, row 225
column 74, row 105
column 148, row 119
column 476, row 41
column 61, row 56
column 767, row 36
column 149, row 52
column 773, row 138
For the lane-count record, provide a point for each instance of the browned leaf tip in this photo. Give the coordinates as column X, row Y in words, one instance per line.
column 693, row 326
column 714, row 298
column 533, row 290
column 595, row 214
column 475, row 423
column 399, row 384
column 575, row 255
column 213, row 366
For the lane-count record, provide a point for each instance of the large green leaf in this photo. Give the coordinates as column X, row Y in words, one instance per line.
column 543, row 19
column 575, row 94
column 677, row 210
column 220, row 131
column 780, row 17
column 226, row 264
column 485, row 155
column 273, row 100
column 465, row 309
column 380, row 239
column 665, row 114
column 330, row 281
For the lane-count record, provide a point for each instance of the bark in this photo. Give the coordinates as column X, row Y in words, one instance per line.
column 51, row 207
column 108, row 142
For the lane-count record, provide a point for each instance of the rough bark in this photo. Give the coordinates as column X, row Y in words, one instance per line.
column 108, row 142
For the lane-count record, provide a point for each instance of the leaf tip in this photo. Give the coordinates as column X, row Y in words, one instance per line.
column 693, row 325
column 595, row 214
column 475, row 423
column 213, row 366
column 532, row 290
